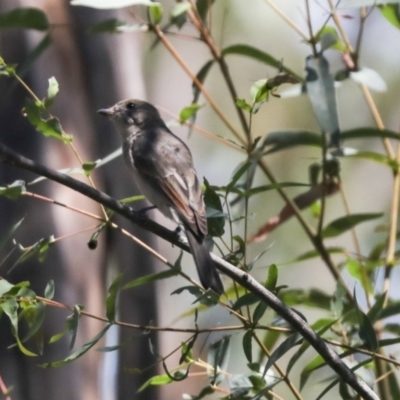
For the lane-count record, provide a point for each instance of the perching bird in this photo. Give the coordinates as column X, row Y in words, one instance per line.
column 162, row 168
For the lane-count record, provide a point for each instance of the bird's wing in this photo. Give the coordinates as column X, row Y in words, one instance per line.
column 185, row 194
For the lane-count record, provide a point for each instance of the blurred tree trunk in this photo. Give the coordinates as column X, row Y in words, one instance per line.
column 84, row 67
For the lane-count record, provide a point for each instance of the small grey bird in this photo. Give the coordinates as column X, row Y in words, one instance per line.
column 162, row 168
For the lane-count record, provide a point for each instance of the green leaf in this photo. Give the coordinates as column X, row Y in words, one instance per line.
column 110, row 4
column 180, row 8
column 201, row 77
column 365, row 133
column 315, row 363
column 272, row 278
column 355, row 269
column 391, row 13
column 156, row 13
column 240, row 170
column 40, row 248
column 49, row 290
column 211, row 199
column 343, row 224
column 13, row 191
column 375, row 311
column 259, row 311
column 247, row 345
column 89, row 166
column 247, row 299
column 151, row 278
column 111, row 25
column 321, row 326
column 5, row 287
column 111, row 299
column 50, row 127
column 10, row 307
column 282, row 140
column 78, row 353
column 72, row 323
column 203, row 8
column 369, row 155
column 310, row 298
column 256, row 54
column 313, row 253
column 218, row 355
column 52, row 91
column 281, row 350
column 34, row 315
column 259, row 91
column 321, row 92
column 242, row 104
column 329, row 38
column 366, row 330
column 158, row 380
column 188, row 112
column 7, row 70
column 24, row 18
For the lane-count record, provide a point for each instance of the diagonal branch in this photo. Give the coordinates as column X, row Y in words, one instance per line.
column 300, row 325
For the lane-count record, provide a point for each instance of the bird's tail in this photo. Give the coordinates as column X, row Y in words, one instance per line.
column 208, row 274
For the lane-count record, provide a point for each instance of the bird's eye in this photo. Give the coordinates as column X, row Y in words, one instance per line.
column 130, row 106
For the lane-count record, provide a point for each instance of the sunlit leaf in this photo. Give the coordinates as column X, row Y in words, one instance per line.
column 5, row 287
column 188, row 112
column 391, row 13
column 329, row 38
column 158, row 380
column 13, row 191
column 52, row 91
column 50, row 127
column 156, row 13
column 49, row 290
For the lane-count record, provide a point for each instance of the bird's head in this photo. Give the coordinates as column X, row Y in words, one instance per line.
column 130, row 115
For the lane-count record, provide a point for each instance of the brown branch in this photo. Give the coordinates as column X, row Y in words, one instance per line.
column 243, row 278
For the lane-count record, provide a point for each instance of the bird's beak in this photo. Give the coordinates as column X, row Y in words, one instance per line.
column 107, row 112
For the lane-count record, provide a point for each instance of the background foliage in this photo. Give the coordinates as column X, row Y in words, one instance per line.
column 286, row 197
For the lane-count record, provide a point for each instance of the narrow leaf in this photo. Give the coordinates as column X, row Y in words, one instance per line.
column 111, row 299
column 78, row 353
column 321, row 92
column 343, row 224
column 256, row 54
column 151, row 278
column 247, row 345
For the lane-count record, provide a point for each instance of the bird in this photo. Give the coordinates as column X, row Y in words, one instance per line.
column 162, row 168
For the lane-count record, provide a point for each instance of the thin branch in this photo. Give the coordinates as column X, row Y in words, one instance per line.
column 243, row 278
